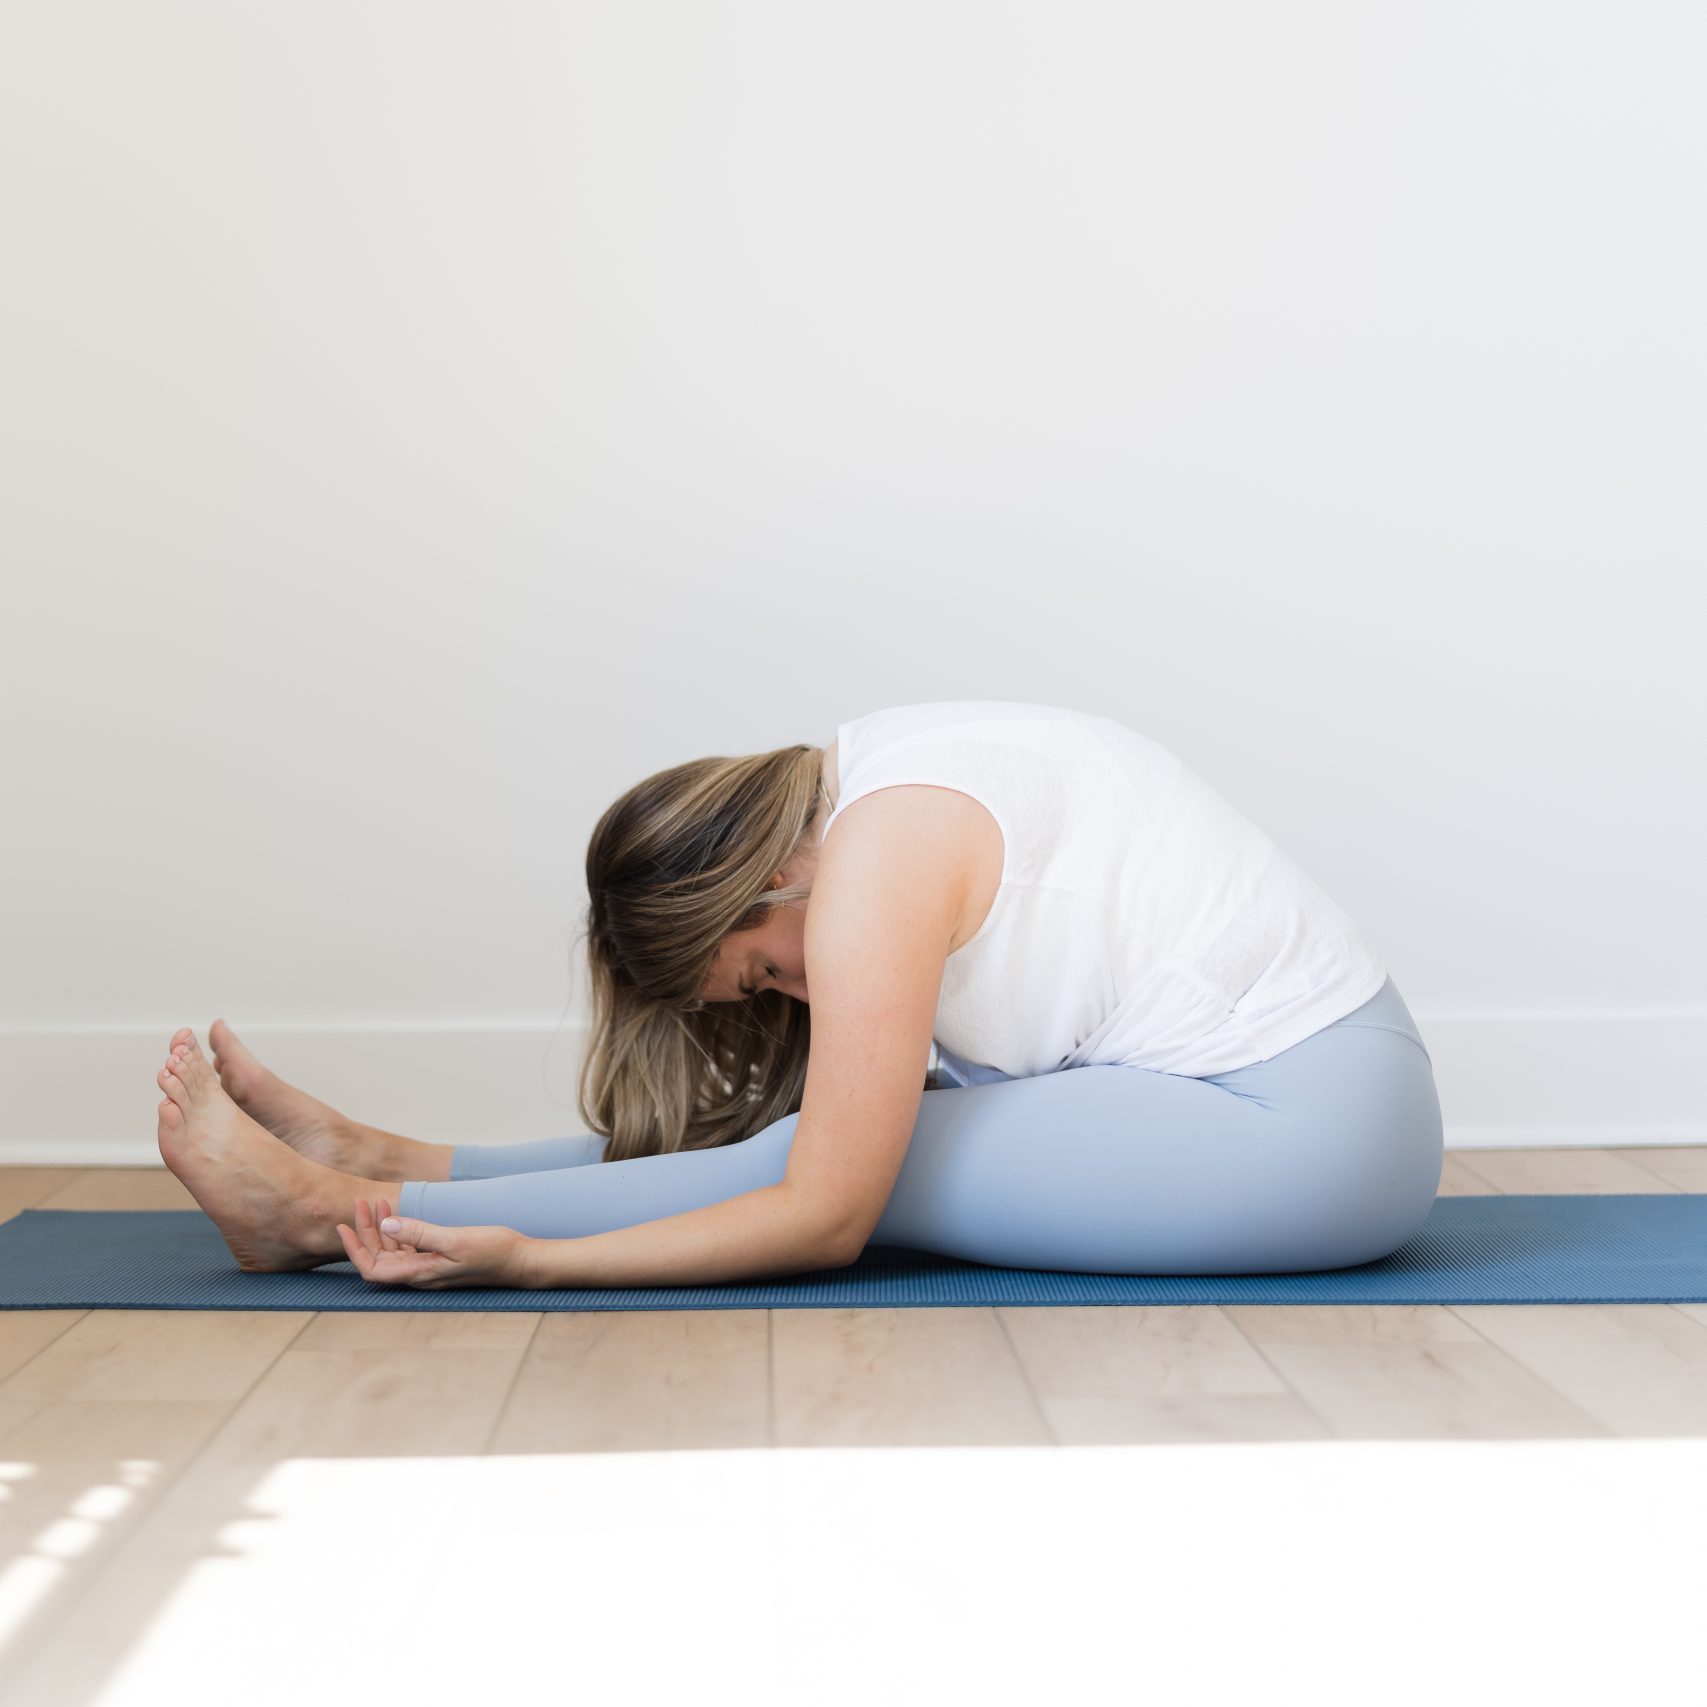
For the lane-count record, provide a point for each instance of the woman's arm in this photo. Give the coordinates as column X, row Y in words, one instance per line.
column 763, row 1232
column 884, row 907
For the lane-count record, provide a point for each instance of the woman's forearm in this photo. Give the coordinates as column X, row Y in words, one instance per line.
column 764, row 1232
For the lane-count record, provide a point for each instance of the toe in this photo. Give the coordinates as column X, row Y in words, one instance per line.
column 221, row 1040
column 185, row 1038
column 197, row 1075
column 173, row 1085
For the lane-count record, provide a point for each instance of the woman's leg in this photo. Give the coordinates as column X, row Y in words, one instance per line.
column 536, row 1155
column 1326, row 1156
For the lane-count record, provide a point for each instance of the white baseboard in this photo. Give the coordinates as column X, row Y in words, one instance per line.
column 87, row 1097
column 1574, row 1137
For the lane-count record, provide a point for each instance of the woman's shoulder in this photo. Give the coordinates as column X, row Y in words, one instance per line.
column 914, row 828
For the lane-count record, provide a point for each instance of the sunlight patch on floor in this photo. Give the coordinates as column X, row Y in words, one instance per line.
column 36, row 1567
column 1298, row 1570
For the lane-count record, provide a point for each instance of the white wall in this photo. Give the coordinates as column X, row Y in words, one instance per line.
column 421, row 421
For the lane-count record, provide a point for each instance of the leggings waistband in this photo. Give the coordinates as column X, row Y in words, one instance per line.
column 1386, row 1011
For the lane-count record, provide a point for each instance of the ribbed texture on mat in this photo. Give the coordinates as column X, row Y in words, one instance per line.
column 1637, row 1248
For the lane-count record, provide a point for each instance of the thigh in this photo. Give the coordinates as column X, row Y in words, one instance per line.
column 1323, row 1157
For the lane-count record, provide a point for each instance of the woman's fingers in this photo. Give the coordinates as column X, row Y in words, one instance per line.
column 354, row 1249
column 366, row 1228
column 401, row 1267
column 368, row 1217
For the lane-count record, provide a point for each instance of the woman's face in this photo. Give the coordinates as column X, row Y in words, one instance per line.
column 773, row 957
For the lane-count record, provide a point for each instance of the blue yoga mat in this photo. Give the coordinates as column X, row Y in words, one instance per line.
column 1636, row 1248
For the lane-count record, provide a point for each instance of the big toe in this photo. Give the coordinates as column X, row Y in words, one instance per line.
column 224, row 1040
column 186, row 1038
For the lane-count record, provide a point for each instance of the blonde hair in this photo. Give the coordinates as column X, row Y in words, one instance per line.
column 674, row 866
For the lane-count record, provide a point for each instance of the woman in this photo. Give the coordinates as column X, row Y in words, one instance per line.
column 1166, row 1051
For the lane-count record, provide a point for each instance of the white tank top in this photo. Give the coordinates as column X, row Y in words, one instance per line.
column 1141, row 919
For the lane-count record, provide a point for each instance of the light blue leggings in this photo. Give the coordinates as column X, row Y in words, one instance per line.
column 1324, row 1156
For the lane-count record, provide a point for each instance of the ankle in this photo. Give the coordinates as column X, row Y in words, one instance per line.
column 411, row 1158
column 356, row 1152
column 366, row 1151
column 330, row 1204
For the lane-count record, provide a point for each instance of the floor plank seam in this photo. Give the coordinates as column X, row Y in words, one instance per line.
column 1329, row 1431
column 1594, row 1422
column 510, row 1386
column 1049, row 1433
column 770, row 1380
column 40, row 1349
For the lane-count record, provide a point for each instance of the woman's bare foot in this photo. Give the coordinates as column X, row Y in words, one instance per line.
column 275, row 1208
column 306, row 1124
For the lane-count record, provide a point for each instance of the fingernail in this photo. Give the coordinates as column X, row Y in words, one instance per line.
column 391, row 1225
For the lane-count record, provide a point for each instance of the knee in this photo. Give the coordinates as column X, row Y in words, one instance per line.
column 1378, row 1195
column 1393, row 1215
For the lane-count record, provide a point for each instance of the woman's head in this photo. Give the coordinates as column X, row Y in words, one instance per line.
column 697, row 880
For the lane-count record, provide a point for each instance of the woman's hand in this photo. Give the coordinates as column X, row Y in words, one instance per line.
column 421, row 1254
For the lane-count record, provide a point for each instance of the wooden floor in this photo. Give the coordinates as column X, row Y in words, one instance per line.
column 131, row 1435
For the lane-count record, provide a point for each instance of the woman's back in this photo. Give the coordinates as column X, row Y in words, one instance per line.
column 1140, row 919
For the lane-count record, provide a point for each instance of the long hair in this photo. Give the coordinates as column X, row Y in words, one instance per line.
column 674, row 866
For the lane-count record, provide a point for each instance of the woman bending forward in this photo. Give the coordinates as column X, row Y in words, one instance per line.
column 1002, row 981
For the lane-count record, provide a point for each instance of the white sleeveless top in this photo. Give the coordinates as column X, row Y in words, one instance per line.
column 1141, row 919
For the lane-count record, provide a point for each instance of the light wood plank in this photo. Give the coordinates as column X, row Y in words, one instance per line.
column 28, row 1188
column 641, row 1381
column 24, row 1333
column 1562, row 1171
column 391, row 1330
column 1112, row 1374
column 1269, row 1325
column 1685, row 1166
column 122, row 1188
column 879, row 1377
column 130, row 1355
column 1638, row 1369
column 1459, row 1179
column 371, row 1384
column 1406, row 1372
